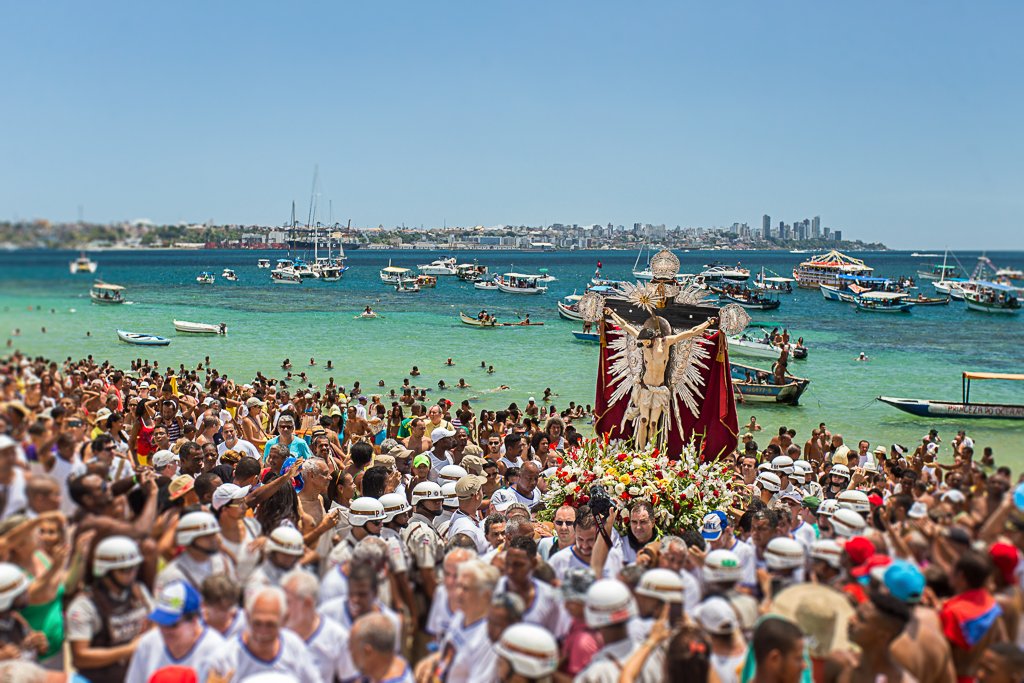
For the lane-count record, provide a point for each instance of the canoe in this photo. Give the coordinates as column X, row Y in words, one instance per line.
column 141, row 339
column 467, row 320
column 198, row 328
column 592, row 337
column 927, row 301
column 926, row 408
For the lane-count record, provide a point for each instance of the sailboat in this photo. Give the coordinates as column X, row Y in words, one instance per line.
column 645, row 273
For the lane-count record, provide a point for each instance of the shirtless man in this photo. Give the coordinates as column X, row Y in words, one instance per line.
column 417, row 441
column 356, row 428
column 652, row 396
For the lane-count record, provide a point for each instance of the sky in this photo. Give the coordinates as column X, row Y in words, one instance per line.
column 893, row 121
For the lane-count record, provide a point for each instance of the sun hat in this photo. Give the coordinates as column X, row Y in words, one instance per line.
column 253, row 402
column 841, row 455
column 174, row 602
column 225, row 493
column 469, row 485
column 385, row 461
column 880, row 450
column 716, row 616
column 400, row 453
column 180, row 485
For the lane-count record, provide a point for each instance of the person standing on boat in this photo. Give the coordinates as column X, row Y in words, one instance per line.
column 781, row 365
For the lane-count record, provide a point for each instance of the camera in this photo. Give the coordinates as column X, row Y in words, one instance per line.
column 600, row 502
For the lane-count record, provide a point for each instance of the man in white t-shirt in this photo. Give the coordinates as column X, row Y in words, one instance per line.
column 179, row 639
column 326, row 639
column 264, row 646
column 233, row 443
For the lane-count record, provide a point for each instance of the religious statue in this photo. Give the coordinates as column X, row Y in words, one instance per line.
column 651, row 394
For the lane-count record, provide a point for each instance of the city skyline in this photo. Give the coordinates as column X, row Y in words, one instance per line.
column 903, row 131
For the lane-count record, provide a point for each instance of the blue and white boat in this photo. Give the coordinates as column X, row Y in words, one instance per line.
column 141, row 339
column 884, row 302
column 590, row 337
column 954, row 410
column 752, row 384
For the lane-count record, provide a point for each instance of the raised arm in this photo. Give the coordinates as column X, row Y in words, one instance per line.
column 621, row 322
column 690, row 333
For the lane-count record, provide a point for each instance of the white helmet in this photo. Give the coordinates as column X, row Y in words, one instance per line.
column 847, row 523
column 286, row 540
column 840, row 471
column 115, row 552
column 813, row 488
column 782, row 463
column 722, row 565
column 828, row 551
column 451, row 473
column 855, row 500
column 195, row 525
column 13, row 583
column 828, row 507
column 529, row 649
column 426, row 490
column 803, row 466
column 451, row 498
column 768, row 481
column 608, row 603
column 394, row 505
column 661, row 584
column 365, row 509
column 784, row 553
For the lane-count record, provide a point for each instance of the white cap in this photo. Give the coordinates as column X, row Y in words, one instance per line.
column 225, row 493
column 782, row 463
column 426, row 490
column 828, row 551
column 365, row 509
column 502, row 498
column 195, row 525
column 716, row 616
column 722, row 565
column 13, row 583
column 661, row 584
column 855, row 500
column 451, row 473
column 529, row 649
column 608, row 603
column 953, row 496
column 394, row 504
column 531, row 400
column 768, row 481
column 784, row 553
column 847, row 523
column 286, row 540
column 440, row 433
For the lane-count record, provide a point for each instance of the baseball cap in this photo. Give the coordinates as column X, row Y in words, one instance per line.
column 716, row 616
column 162, row 459
column 399, row 453
column 175, row 601
column 441, row 433
column 1005, row 557
column 469, row 485
column 253, row 402
column 953, row 496
column 859, row 549
column 384, row 460
column 714, row 523
column 811, row 503
column 502, row 498
column 225, row 493
column 421, row 459
column 474, row 464
column 180, row 485
column 873, row 563
column 902, row 579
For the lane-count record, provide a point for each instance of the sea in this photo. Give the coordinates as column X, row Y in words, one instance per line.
column 921, row 354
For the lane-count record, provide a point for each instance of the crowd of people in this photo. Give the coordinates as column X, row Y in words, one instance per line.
column 162, row 526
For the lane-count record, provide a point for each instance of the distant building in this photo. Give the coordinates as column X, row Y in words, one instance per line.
column 838, row 234
column 827, row 232
column 816, row 227
column 766, row 226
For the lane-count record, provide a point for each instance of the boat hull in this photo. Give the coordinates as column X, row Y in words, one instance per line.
column 473, row 322
column 769, row 305
column 568, row 313
column 589, row 337
column 105, row 302
column 901, row 308
column 926, row 408
column 746, row 385
column 139, row 339
column 195, row 328
column 986, row 308
column 829, row 293
column 521, row 290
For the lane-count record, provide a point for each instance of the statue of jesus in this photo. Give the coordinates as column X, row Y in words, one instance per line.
column 651, row 395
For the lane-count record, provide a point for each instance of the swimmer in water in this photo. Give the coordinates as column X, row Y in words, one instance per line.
column 862, row 357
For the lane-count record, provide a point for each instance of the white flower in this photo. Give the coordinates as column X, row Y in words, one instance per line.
column 634, row 491
column 619, row 488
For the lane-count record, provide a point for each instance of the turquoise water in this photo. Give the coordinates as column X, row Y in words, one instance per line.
column 918, row 355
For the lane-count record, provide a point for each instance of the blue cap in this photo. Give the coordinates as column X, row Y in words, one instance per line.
column 904, row 581
column 176, row 600
column 714, row 524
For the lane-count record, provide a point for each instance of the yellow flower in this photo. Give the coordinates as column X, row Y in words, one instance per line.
column 624, row 479
column 611, row 472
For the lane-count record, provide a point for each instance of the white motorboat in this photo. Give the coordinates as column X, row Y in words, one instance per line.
column 407, row 287
column 305, row 271
column 393, row 275
column 142, row 339
column 83, row 264
column 442, row 266
column 755, row 342
column 284, row 273
column 206, row 278
column 470, row 272
column 521, row 283
column 488, row 285
column 199, row 328
column 229, row 275
column 102, row 293
column 263, row 264
column 725, row 273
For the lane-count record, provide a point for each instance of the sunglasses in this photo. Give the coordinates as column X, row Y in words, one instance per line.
column 75, row 423
column 562, row 523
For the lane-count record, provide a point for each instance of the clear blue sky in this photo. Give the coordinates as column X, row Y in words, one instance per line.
column 896, row 121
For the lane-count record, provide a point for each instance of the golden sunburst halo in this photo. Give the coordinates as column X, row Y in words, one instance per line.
column 643, row 296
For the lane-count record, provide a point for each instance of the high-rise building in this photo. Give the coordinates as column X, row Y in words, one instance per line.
column 766, row 226
column 827, row 232
column 816, row 227
column 838, row 234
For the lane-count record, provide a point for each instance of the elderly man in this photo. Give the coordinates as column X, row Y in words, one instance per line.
column 325, row 639
column 466, row 653
column 525, row 488
column 232, row 443
column 371, row 651
column 286, row 437
column 265, row 646
column 180, row 637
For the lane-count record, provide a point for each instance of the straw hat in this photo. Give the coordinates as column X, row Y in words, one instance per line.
column 821, row 612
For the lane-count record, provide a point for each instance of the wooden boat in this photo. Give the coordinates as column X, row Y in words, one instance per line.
column 427, row 281
column 199, row 328
column 392, row 275
column 923, row 300
column 569, row 311
column 754, row 342
column 520, row 283
column 826, row 269
column 102, row 293
column 754, row 302
column 141, row 339
column 752, row 384
column 476, row 322
column 830, row 293
column 229, row 275
column 82, row 264
column 884, row 302
column 206, row 278
column 487, row 285
column 963, row 409
column 590, row 337
column 991, row 297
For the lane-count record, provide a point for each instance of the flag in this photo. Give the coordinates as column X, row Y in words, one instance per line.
column 715, row 429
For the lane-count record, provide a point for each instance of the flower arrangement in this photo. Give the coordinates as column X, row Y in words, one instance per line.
column 681, row 491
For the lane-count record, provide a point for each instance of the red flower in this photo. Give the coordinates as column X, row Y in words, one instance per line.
column 559, row 461
column 654, row 499
column 625, row 495
column 654, row 453
column 621, row 456
column 584, row 500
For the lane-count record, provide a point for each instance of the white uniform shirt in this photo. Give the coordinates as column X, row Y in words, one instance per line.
column 235, row 662
column 337, row 609
column 546, row 609
column 467, row 655
column 464, row 524
column 151, row 654
column 566, row 559
column 440, row 616
column 329, row 647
